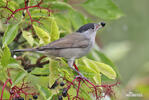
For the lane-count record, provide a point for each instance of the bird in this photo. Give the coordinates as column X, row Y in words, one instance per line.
column 72, row 46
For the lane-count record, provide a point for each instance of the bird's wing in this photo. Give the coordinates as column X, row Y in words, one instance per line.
column 74, row 40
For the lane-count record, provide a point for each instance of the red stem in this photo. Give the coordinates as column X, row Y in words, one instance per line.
column 8, row 80
column 75, row 67
column 78, row 88
column 93, row 86
column 27, row 9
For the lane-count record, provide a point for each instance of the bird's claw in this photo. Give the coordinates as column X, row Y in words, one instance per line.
column 81, row 77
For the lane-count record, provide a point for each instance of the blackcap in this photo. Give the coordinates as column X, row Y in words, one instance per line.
column 72, row 46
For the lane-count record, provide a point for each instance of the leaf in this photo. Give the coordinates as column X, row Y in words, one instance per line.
column 54, row 30
column 14, row 64
column 44, row 36
column 54, row 74
column 41, row 71
column 97, row 79
column 90, row 63
column 106, row 60
column 104, row 9
column 87, row 72
column 10, row 33
column 77, row 19
column 63, row 22
column 28, row 36
column 5, row 56
column 19, row 77
column 60, row 5
column 101, row 67
column 106, row 70
column 91, row 68
column 44, row 92
column 2, row 3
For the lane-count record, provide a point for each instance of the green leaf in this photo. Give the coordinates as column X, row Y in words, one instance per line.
column 2, row 3
column 28, row 36
column 10, row 33
column 54, row 30
column 41, row 71
column 63, row 22
column 43, row 35
column 5, row 56
column 19, row 77
column 54, row 74
column 104, row 9
column 44, row 92
column 60, row 5
column 77, row 19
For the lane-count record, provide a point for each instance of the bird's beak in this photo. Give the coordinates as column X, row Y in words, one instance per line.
column 100, row 25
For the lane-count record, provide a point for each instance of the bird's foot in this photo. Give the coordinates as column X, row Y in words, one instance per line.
column 81, row 77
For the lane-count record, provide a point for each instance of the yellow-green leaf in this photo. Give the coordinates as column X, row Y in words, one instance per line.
column 101, row 67
column 28, row 36
column 43, row 35
column 54, row 30
column 5, row 56
column 53, row 69
column 97, row 78
column 106, row 70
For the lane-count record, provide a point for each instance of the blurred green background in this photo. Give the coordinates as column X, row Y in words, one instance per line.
column 126, row 41
column 129, row 35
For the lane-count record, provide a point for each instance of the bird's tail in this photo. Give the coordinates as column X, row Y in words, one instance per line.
column 22, row 50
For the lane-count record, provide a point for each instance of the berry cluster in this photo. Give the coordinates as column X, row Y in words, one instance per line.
column 17, row 92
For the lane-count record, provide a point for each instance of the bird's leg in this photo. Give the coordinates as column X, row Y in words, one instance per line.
column 70, row 63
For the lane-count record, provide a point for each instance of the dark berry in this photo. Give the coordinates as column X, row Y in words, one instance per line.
column 15, row 98
column 54, row 85
column 21, row 98
column 60, row 97
column 64, row 93
column 62, row 84
column 35, row 96
column 29, row 99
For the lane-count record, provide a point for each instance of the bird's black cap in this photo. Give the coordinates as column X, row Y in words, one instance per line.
column 103, row 24
column 86, row 27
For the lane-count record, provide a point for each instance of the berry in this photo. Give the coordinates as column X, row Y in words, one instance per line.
column 54, row 85
column 62, row 84
column 60, row 97
column 20, row 98
column 29, row 99
column 35, row 96
column 64, row 93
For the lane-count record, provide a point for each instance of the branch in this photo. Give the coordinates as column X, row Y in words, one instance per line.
column 38, row 63
column 25, row 8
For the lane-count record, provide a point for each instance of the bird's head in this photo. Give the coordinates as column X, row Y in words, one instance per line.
column 91, row 27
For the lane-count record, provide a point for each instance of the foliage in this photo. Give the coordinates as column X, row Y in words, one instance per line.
column 32, row 23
